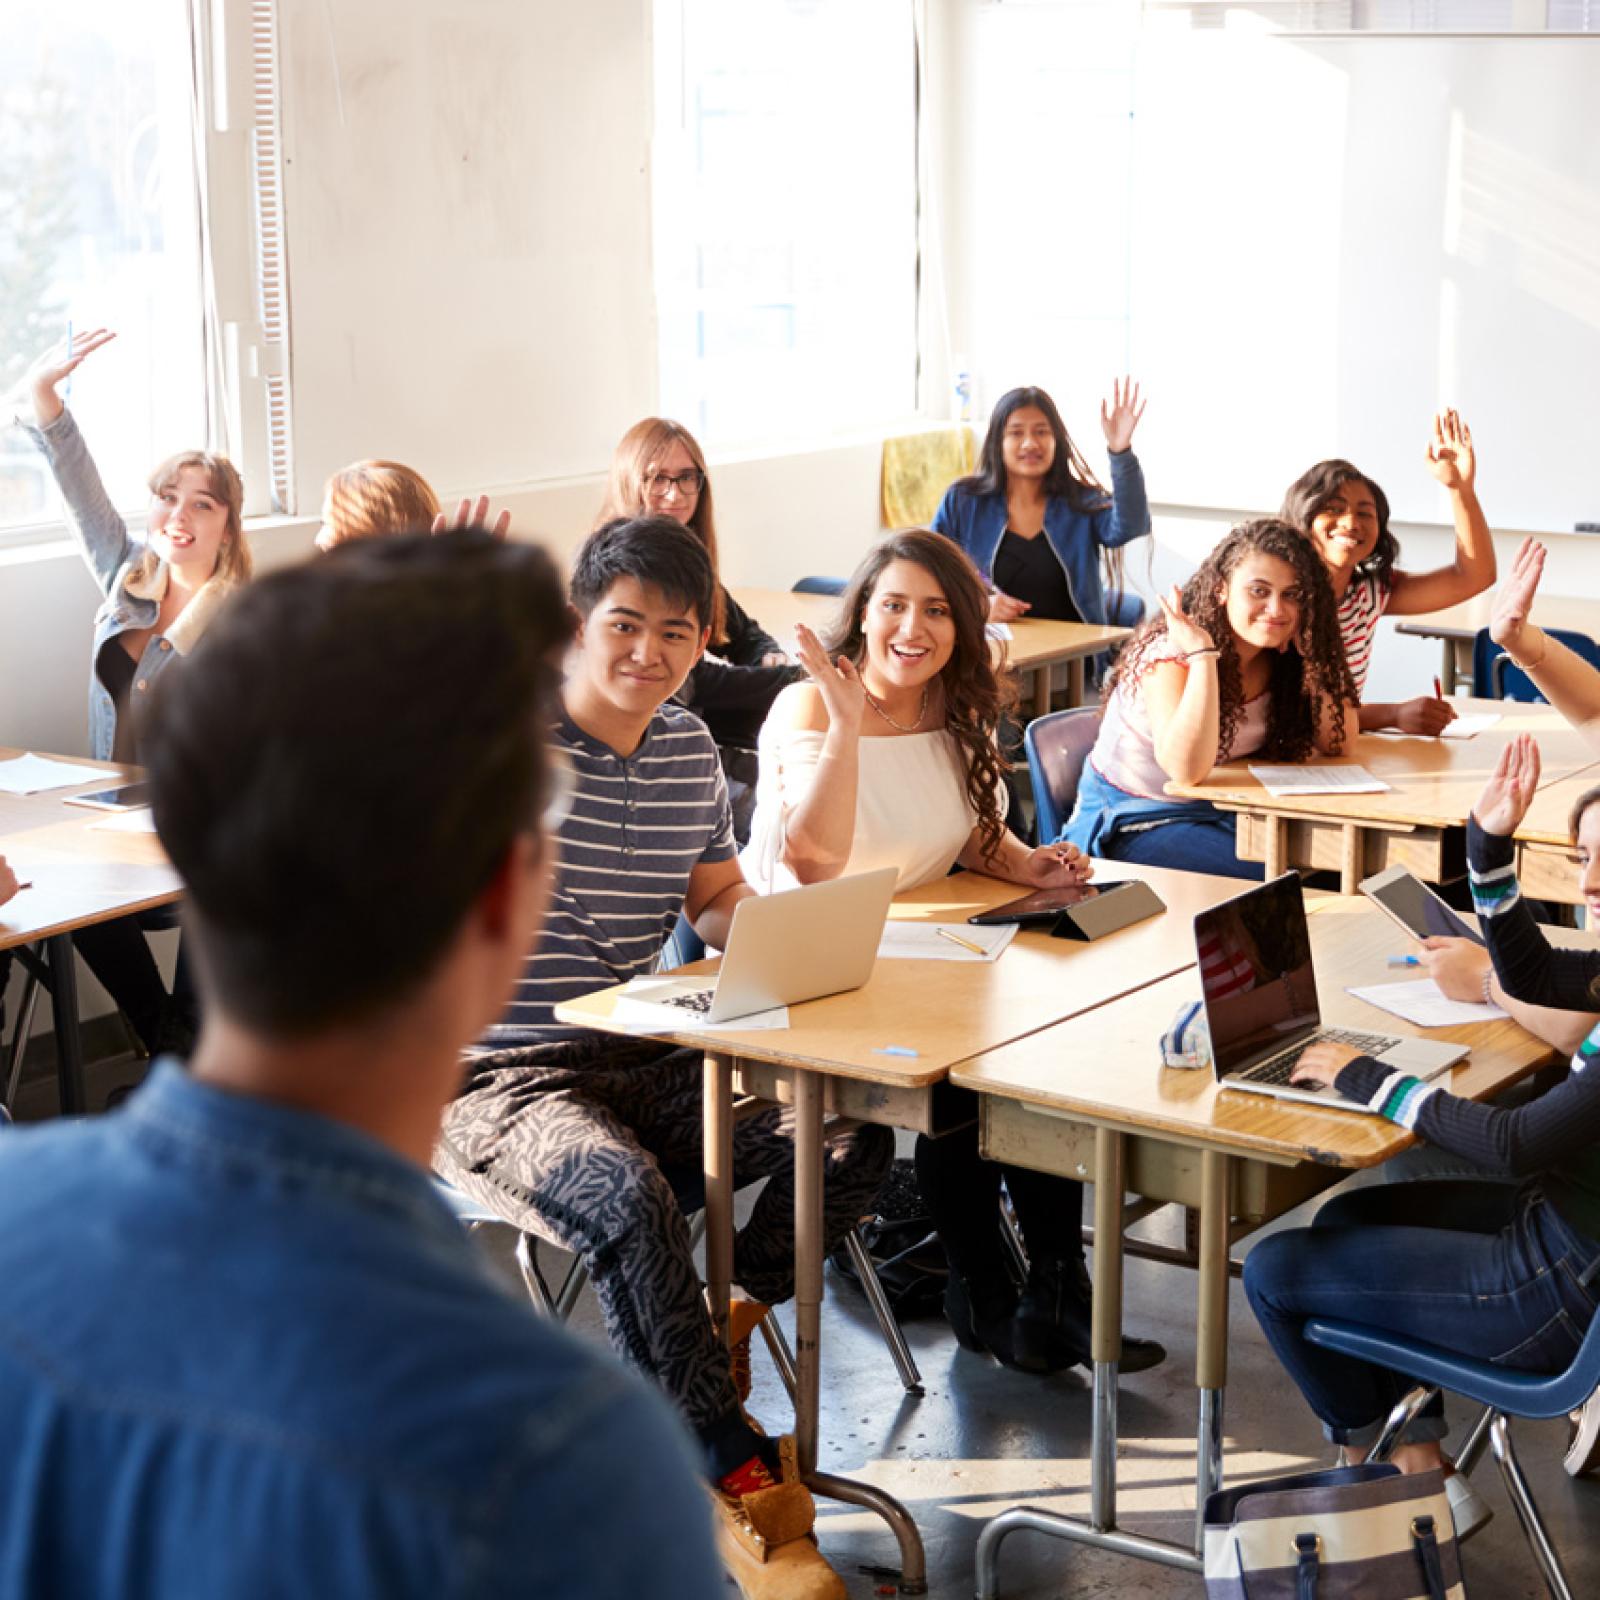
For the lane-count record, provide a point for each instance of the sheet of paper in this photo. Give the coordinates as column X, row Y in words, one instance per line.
column 1421, row 1001
column 998, row 630
column 141, row 821
column 1468, row 727
column 937, row 941
column 642, row 1008
column 31, row 774
column 1286, row 780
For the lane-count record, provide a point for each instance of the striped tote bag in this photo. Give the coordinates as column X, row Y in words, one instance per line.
column 1351, row 1533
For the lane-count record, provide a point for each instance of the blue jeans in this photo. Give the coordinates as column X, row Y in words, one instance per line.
column 1480, row 1268
column 1206, row 844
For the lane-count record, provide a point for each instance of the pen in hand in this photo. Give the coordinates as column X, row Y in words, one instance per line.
column 1405, row 961
column 1438, row 688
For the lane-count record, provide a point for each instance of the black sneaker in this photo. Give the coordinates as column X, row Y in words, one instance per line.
column 1051, row 1328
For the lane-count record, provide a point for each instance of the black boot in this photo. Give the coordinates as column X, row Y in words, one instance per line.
column 1050, row 1330
column 982, row 1311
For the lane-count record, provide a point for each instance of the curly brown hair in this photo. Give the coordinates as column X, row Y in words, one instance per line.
column 975, row 694
column 1313, row 670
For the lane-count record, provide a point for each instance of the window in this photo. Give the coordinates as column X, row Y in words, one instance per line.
column 785, row 215
column 99, row 225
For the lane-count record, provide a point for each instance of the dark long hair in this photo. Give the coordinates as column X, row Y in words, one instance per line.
column 1316, row 486
column 1312, row 670
column 974, row 693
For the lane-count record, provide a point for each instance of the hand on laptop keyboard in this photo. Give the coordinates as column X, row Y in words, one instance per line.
column 1316, row 1066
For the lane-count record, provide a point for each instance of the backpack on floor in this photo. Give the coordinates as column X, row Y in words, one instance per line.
column 900, row 1238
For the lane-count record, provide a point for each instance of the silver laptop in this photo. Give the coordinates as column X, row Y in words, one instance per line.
column 1261, row 1000
column 797, row 945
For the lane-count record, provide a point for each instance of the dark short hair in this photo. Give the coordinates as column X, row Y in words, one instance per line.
column 343, row 763
column 1317, row 485
column 654, row 551
column 1588, row 798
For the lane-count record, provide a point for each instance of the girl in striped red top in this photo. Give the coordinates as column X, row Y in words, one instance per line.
column 1346, row 517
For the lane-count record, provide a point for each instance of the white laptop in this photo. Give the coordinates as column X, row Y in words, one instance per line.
column 1261, row 1000
column 796, row 945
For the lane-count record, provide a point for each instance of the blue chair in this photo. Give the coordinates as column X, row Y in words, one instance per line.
column 1507, row 1393
column 1057, row 744
column 1125, row 610
column 1496, row 677
column 820, row 586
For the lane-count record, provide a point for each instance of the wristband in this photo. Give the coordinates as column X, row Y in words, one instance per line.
column 1533, row 666
column 1488, row 979
column 1210, row 650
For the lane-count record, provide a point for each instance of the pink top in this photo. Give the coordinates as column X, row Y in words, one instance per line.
column 1124, row 753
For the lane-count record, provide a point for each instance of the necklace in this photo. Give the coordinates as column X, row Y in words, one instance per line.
column 900, row 727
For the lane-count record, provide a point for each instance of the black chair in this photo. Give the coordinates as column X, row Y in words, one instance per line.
column 820, row 586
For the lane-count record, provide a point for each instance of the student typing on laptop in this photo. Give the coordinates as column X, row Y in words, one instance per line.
column 887, row 758
column 565, row 1132
column 1491, row 1270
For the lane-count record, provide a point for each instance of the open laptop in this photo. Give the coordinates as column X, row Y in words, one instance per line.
column 796, row 945
column 1261, row 1000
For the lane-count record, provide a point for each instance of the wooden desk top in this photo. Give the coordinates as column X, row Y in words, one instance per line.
column 948, row 1010
column 1434, row 782
column 1105, row 1067
column 1464, row 620
column 80, row 875
column 1032, row 644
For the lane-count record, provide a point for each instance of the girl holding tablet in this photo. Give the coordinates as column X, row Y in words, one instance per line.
column 1035, row 520
column 1346, row 517
column 887, row 757
column 1245, row 661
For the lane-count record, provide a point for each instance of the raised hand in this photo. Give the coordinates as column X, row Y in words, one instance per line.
column 473, row 514
column 1121, row 416
column 1509, row 791
column 1513, row 600
column 1005, row 607
column 838, row 682
column 58, row 363
column 1183, row 630
column 1451, row 458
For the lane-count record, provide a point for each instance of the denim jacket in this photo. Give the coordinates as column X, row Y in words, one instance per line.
column 114, row 556
column 978, row 523
column 246, row 1350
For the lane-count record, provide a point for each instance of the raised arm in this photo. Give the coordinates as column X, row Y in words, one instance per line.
column 1563, row 677
column 1454, row 462
column 1183, row 699
column 1128, row 515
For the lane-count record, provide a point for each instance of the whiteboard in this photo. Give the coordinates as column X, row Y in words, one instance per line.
column 1333, row 237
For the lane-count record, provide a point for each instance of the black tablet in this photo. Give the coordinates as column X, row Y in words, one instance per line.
column 1045, row 905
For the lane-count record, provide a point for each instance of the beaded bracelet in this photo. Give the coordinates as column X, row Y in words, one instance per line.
column 1488, row 979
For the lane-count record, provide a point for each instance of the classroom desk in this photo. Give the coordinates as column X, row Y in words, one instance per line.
column 1089, row 1100
column 827, row 1060
column 1457, row 626
column 1419, row 822
column 1034, row 647
column 80, row 876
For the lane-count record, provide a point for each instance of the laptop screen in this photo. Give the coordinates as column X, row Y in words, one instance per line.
column 1255, row 973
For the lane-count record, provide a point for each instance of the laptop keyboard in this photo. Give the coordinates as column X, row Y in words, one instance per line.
column 1279, row 1068
column 696, row 1000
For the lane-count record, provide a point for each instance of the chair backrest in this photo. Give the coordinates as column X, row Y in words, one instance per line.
column 820, row 586
column 1057, row 745
column 683, row 946
column 1125, row 610
column 1496, row 677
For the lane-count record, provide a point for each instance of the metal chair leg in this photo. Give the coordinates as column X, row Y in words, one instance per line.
column 1398, row 1420
column 1472, row 1446
column 19, row 1039
column 888, row 1323
column 778, row 1348
column 532, row 1277
column 1527, row 1512
column 1011, row 1239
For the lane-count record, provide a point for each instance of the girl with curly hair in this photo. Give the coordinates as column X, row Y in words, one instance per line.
column 887, row 757
column 1345, row 515
column 1247, row 660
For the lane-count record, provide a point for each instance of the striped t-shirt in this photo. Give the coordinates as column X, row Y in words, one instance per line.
column 1362, row 604
column 639, row 825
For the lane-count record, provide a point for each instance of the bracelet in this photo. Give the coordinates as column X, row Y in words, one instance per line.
column 1488, row 979
column 1210, row 650
column 1533, row 666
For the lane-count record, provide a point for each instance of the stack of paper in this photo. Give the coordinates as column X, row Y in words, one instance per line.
column 944, row 941
column 1351, row 779
column 31, row 774
column 1423, row 1002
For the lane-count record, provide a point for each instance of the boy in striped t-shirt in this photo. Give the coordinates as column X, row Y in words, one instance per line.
column 566, row 1132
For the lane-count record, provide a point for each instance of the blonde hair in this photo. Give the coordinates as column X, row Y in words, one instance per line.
column 234, row 563
column 369, row 499
column 643, row 443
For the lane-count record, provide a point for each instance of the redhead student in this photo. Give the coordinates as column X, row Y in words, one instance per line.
column 1346, row 517
column 1247, row 661
column 1034, row 518
column 887, row 757
column 159, row 594
column 659, row 470
column 376, row 499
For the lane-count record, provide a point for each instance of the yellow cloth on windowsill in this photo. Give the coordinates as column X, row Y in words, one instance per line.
column 918, row 469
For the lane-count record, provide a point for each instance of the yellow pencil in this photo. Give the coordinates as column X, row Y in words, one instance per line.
column 966, row 944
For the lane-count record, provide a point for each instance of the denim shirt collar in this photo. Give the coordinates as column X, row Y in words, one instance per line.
column 186, row 1122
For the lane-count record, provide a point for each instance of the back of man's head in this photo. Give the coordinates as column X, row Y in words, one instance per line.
column 344, row 762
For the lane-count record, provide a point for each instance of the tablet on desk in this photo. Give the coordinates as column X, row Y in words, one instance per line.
column 1410, row 902
column 1045, row 905
column 130, row 797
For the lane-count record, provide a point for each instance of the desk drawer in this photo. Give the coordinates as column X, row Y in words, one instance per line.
column 933, row 1108
column 1547, row 872
column 1157, row 1169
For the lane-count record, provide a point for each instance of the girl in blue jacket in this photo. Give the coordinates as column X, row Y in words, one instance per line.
column 1036, row 521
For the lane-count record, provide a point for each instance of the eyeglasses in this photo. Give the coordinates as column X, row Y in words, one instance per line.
column 688, row 484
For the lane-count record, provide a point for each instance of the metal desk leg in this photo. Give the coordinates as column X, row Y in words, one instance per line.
column 64, row 1018
column 718, row 1115
column 1211, row 1344
column 1105, row 1348
column 808, row 1170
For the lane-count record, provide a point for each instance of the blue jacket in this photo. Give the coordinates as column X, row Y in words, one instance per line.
column 977, row 523
column 245, row 1350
